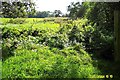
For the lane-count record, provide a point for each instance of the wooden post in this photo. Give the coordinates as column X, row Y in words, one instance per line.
column 117, row 35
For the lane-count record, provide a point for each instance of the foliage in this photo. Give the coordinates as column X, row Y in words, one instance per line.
column 43, row 41
column 80, row 33
column 76, row 10
column 57, row 13
column 97, row 35
column 56, row 47
column 101, row 15
column 43, row 63
column 17, row 21
column 17, row 9
column 73, row 9
column 41, row 14
column 59, row 40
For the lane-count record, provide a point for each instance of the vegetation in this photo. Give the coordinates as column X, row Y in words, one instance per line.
column 77, row 47
column 45, row 63
column 41, row 14
column 16, row 9
column 46, row 45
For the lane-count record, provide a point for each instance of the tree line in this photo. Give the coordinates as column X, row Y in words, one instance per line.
column 25, row 9
column 43, row 14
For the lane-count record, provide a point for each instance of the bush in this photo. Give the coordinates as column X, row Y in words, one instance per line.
column 58, row 40
column 17, row 21
column 45, row 63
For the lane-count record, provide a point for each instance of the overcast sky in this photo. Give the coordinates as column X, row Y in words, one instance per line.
column 51, row 5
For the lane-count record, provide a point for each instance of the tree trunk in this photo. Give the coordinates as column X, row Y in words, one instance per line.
column 117, row 35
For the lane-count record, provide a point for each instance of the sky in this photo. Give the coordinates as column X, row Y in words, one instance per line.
column 51, row 5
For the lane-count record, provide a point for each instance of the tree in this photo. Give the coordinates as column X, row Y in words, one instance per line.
column 17, row 9
column 105, row 16
column 102, row 14
column 57, row 13
column 41, row 14
column 74, row 9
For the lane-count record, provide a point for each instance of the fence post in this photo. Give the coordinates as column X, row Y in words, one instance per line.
column 117, row 35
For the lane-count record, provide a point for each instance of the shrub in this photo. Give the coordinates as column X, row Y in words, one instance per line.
column 44, row 63
column 17, row 21
column 58, row 40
